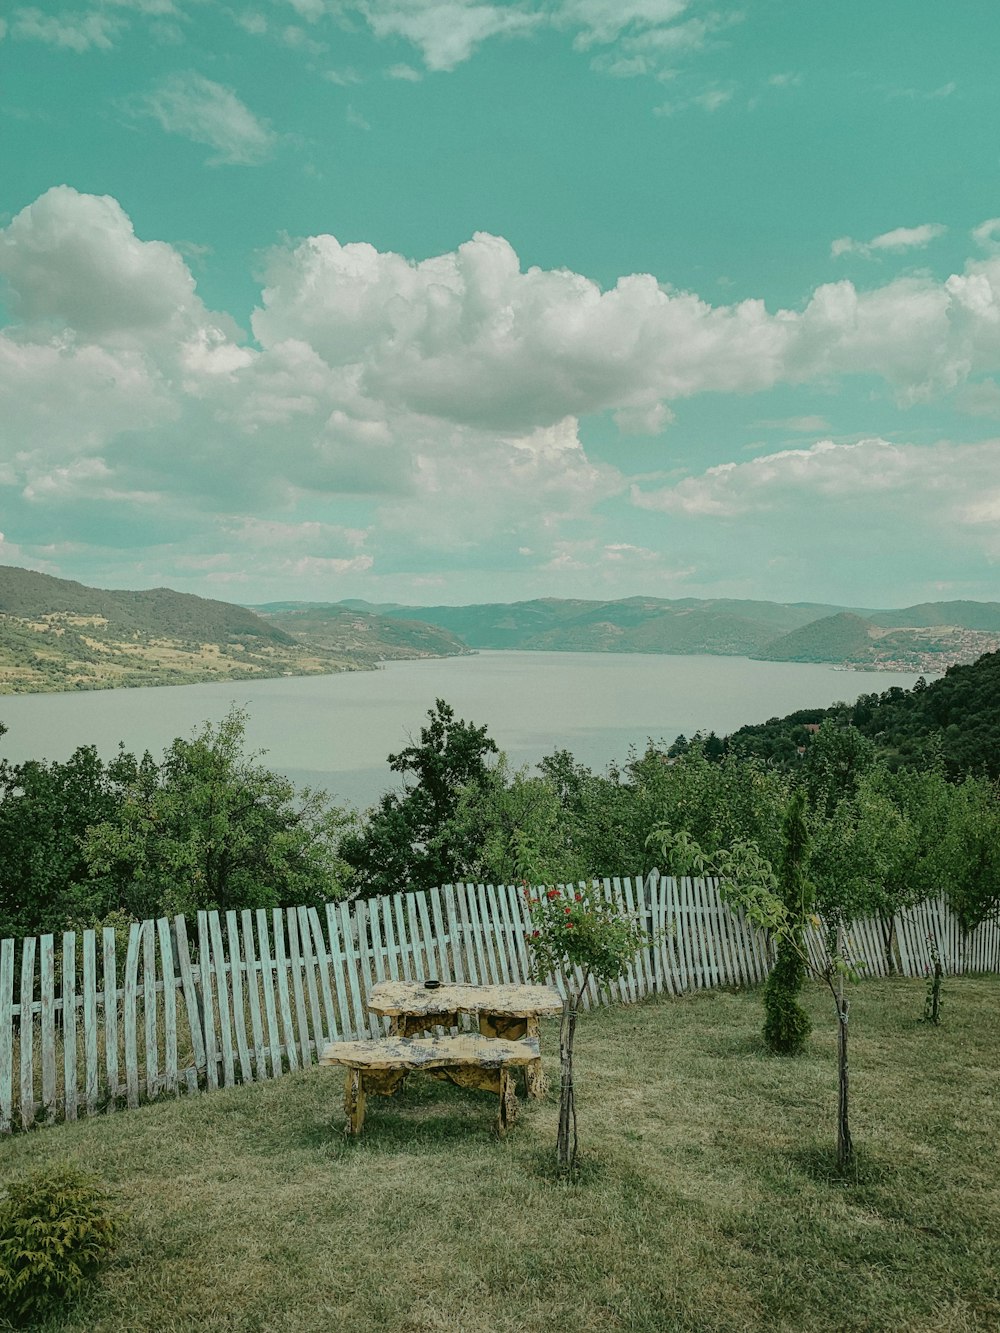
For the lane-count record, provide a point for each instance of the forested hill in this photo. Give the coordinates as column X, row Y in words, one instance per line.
column 928, row 637
column 56, row 634
column 960, row 713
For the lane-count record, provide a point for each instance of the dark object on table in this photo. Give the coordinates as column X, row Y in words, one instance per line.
column 432, row 984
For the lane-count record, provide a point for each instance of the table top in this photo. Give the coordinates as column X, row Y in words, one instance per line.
column 394, row 998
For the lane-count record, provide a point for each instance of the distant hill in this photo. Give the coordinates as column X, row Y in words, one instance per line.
column 929, row 637
column 630, row 625
column 56, row 634
column 960, row 713
column 360, row 634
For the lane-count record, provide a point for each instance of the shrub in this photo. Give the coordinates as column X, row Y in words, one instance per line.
column 56, row 1229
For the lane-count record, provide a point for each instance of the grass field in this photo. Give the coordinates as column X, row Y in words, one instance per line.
column 705, row 1199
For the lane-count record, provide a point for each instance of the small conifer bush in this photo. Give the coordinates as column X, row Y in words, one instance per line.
column 56, row 1228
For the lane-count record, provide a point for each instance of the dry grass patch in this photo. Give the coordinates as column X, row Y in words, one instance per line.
column 705, row 1202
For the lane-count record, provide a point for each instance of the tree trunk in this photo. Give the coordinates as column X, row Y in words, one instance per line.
column 889, row 936
column 845, row 1147
column 566, row 1143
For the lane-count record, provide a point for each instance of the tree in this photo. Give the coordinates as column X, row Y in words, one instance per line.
column 576, row 935
column 786, row 1023
column 211, row 828
column 45, row 811
column 410, row 838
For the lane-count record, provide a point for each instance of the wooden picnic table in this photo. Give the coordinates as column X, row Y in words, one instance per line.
column 506, row 1011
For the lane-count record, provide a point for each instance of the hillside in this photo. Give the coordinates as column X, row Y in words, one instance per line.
column 630, row 625
column 56, row 634
column 928, row 637
column 960, row 713
column 360, row 634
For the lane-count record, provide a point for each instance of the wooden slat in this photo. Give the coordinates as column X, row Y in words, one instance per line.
column 109, row 949
column 267, row 979
column 284, row 1003
column 131, row 1014
column 520, row 924
column 218, row 955
column 325, row 978
column 359, row 1024
column 381, row 918
column 69, row 1023
column 239, row 1004
column 488, row 933
column 363, row 917
column 253, row 992
column 454, row 939
column 149, row 1007
column 26, row 1034
column 91, row 1077
column 499, row 906
column 338, row 967
column 295, row 968
column 6, row 1036
column 309, row 963
column 469, row 953
column 192, row 1002
column 635, row 909
column 420, row 928
column 47, row 1025
column 207, row 1003
column 442, row 959
column 169, row 1005
column 406, row 941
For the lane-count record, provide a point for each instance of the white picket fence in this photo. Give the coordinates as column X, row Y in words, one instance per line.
column 261, row 992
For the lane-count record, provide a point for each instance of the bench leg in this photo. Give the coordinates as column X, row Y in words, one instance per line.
column 535, row 1082
column 354, row 1102
column 508, row 1101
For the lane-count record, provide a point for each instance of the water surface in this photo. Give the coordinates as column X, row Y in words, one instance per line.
column 335, row 731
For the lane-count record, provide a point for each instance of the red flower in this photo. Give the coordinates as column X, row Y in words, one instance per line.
column 569, row 925
column 552, row 893
column 535, row 934
column 567, row 910
column 579, row 897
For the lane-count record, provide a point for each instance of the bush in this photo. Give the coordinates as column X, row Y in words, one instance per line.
column 55, row 1231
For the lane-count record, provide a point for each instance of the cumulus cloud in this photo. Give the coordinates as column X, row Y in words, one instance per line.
column 944, row 483
column 208, row 113
column 897, row 241
column 439, row 399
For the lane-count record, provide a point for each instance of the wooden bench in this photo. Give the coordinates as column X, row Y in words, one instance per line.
column 469, row 1061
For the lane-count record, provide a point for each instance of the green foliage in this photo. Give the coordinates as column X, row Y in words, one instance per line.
column 56, row 1229
column 954, row 721
column 210, row 828
column 411, row 839
column 786, row 1023
column 579, row 928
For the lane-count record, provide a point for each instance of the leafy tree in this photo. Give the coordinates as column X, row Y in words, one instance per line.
column 210, row 828
column 516, row 828
column 45, row 811
column 786, row 1023
column 577, row 935
column 970, row 852
column 410, row 838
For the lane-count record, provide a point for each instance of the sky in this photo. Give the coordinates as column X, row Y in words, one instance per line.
column 442, row 301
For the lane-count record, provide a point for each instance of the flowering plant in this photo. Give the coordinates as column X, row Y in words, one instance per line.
column 576, row 934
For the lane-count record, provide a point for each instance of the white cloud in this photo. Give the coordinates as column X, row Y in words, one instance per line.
column 208, row 113
column 896, row 241
column 937, row 487
column 405, row 72
column 442, row 395
column 987, row 234
column 447, row 32
column 72, row 31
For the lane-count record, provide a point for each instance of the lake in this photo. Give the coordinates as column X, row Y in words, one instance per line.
column 335, row 731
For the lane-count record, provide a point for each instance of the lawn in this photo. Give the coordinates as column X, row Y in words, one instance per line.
column 705, row 1199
